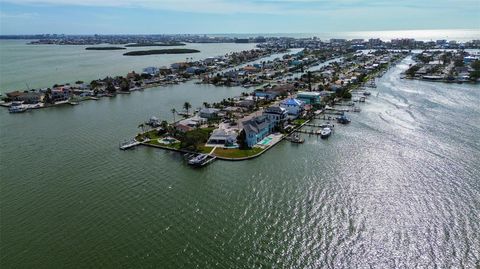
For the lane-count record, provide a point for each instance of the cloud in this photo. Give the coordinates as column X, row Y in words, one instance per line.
column 204, row 6
column 258, row 6
column 5, row 15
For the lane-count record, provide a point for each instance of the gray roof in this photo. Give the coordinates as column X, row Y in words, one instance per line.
column 275, row 110
column 209, row 110
column 256, row 124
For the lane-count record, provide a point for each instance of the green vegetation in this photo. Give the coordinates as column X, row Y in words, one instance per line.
column 412, row 70
column 163, row 51
column 155, row 44
column 475, row 74
column 105, row 48
column 236, row 153
column 192, row 140
column 299, row 122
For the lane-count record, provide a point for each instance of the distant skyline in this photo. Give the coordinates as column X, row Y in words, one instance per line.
column 233, row 16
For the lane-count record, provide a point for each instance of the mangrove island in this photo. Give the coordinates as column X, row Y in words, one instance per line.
column 163, row 51
column 169, row 44
column 105, row 48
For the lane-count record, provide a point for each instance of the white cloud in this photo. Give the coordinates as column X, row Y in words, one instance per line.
column 5, row 15
column 204, row 6
column 257, row 6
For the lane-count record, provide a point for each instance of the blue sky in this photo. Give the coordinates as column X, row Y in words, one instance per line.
column 233, row 16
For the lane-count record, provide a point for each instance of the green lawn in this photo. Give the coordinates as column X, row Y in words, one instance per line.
column 172, row 146
column 236, row 153
column 205, row 150
column 299, row 122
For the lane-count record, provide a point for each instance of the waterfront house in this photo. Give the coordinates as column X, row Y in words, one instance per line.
column 223, row 137
column 153, row 121
column 60, row 94
column 309, row 98
column 192, row 122
column 256, row 129
column 209, row 113
column 293, row 106
column 26, row 97
column 277, row 115
column 183, row 128
column 250, row 69
column 152, row 71
column 247, row 103
column 271, row 91
column 179, row 66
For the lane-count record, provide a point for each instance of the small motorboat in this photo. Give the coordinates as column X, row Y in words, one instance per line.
column 17, row 108
column 343, row 119
column 356, row 109
column 296, row 139
column 198, row 160
column 326, row 132
column 362, row 99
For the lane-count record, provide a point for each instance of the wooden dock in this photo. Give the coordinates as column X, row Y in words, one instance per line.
column 128, row 144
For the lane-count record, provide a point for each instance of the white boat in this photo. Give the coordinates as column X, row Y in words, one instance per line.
column 356, row 109
column 198, row 160
column 326, row 132
column 17, row 108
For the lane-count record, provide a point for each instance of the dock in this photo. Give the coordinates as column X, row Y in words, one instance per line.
column 128, row 144
column 198, row 159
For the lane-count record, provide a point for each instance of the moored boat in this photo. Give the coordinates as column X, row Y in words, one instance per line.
column 343, row 119
column 295, row 138
column 326, row 132
column 198, row 160
column 17, row 109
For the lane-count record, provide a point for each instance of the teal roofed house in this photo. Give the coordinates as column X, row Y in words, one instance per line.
column 309, row 98
column 257, row 129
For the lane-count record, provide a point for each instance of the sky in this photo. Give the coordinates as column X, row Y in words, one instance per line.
column 233, row 16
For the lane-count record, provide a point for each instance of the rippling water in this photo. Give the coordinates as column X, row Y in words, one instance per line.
column 397, row 188
column 44, row 65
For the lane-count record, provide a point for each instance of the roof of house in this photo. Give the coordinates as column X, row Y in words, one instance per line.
column 15, row 94
column 308, row 94
column 275, row 110
column 292, row 102
column 255, row 125
column 222, row 134
column 209, row 110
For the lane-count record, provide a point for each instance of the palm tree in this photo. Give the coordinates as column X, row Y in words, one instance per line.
column 142, row 126
column 174, row 111
column 206, row 105
column 187, row 106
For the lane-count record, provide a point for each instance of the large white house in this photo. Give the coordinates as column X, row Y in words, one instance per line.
column 293, row 106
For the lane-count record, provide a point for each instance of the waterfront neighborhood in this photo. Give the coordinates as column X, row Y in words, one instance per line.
column 293, row 87
column 244, row 127
column 241, row 134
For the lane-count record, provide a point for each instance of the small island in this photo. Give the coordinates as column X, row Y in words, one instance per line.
column 105, row 48
column 163, row 51
column 170, row 44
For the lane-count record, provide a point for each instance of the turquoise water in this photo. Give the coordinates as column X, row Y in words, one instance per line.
column 399, row 187
column 265, row 141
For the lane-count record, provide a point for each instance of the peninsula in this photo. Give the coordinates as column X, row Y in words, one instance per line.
column 163, row 51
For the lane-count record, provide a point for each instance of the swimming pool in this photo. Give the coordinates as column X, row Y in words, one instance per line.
column 265, row 141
